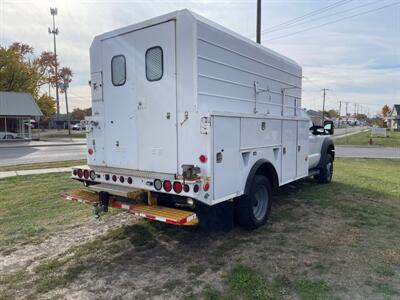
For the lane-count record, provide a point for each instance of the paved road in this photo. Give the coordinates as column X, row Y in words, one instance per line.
column 27, row 155
column 371, row 152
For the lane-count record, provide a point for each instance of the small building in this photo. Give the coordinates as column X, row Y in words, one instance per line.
column 17, row 113
column 393, row 120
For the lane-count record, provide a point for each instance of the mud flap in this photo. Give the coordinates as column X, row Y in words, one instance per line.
column 218, row 217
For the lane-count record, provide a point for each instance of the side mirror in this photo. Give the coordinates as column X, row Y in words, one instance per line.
column 328, row 127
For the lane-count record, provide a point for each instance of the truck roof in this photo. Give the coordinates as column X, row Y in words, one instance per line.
column 176, row 15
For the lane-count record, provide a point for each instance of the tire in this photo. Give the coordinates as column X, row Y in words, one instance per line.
column 326, row 171
column 252, row 210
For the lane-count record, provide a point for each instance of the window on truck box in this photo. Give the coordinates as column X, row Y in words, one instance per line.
column 154, row 63
column 118, row 70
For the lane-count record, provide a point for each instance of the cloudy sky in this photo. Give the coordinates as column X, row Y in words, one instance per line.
column 356, row 55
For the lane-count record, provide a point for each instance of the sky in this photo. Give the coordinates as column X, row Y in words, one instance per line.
column 356, row 58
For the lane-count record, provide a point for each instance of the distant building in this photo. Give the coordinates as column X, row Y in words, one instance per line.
column 61, row 123
column 393, row 120
column 17, row 114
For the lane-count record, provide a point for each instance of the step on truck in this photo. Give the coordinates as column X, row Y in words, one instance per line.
column 193, row 123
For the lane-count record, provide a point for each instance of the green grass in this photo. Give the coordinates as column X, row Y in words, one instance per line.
column 31, row 207
column 357, row 186
column 45, row 165
column 362, row 138
column 57, row 134
column 268, row 263
column 251, row 285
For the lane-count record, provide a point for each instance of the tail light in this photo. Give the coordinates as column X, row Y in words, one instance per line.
column 177, row 187
column 196, row 188
column 86, row 174
column 186, row 188
column 167, row 185
column 203, row 158
column 114, row 178
column 130, row 180
column 206, row 187
column 80, row 173
column 157, row 184
column 121, row 179
column 74, row 172
column 92, row 175
column 90, row 151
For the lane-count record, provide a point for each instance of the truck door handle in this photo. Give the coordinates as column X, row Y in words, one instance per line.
column 298, row 148
column 284, row 150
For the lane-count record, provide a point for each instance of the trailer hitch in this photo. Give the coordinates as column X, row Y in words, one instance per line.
column 102, row 205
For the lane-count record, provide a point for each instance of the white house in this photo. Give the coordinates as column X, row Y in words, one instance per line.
column 394, row 118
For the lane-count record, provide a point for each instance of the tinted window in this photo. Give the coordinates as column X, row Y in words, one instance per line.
column 154, row 63
column 118, row 70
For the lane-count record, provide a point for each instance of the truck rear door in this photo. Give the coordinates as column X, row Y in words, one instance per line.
column 140, row 99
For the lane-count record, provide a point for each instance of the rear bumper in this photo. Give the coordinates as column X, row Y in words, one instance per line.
column 123, row 184
column 152, row 212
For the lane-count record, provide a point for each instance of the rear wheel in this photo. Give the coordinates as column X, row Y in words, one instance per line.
column 252, row 210
column 326, row 171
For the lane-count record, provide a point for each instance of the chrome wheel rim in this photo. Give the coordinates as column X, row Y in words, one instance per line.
column 260, row 202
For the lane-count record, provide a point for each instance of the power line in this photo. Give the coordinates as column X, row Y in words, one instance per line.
column 332, row 22
column 322, row 17
column 310, row 14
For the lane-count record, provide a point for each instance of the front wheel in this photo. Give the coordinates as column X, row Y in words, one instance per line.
column 326, row 171
column 252, row 210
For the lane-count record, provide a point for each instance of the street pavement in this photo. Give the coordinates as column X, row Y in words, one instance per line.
column 367, row 152
column 28, row 155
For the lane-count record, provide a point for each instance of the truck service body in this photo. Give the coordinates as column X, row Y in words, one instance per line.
column 182, row 106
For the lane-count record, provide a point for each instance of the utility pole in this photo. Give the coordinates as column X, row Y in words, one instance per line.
column 258, row 21
column 323, row 106
column 339, row 112
column 347, row 120
column 54, row 32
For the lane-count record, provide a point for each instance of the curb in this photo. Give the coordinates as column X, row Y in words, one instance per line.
column 41, row 145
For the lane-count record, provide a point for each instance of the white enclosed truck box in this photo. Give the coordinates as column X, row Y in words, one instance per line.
column 199, row 118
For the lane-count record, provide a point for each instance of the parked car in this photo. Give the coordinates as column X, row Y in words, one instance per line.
column 8, row 135
column 78, row 126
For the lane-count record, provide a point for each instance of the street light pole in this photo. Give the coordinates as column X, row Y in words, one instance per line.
column 54, row 32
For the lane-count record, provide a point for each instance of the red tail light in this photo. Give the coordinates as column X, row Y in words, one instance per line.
column 177, row 187
column 121, row 179
column 74, row 172
column 86, row 174
column 90, row 151
column 206, row 187
column 80, row 173
column 186, row 188
column 130, row 180
column 196, row 188
column 203, row 158
column 114, row 178
column 167, row 185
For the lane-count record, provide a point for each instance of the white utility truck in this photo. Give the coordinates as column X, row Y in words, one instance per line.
column 192, row 122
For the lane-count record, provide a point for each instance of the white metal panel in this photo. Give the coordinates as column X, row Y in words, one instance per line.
column 289, row 150
column 140, row 114
column 258, row 133
column 96, row 81
column 229, row 67
column 226, row 136
column 120, row 105
column 302, row 148
column 156, row 110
